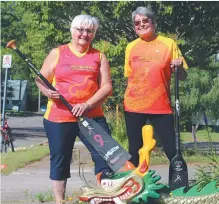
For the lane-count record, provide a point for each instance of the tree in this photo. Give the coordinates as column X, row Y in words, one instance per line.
column 40, row 26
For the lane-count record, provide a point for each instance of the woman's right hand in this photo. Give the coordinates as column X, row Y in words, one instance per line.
column 52, row 94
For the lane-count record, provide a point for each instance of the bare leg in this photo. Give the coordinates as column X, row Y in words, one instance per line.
column 59, row 190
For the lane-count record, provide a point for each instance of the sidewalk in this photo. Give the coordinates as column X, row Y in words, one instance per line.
column 25, row 184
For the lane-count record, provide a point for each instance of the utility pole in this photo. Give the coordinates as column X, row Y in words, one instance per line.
column 19, row 97
column 39, row 99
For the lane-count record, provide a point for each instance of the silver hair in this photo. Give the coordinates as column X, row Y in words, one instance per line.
column 146, row 12
column 85, row 21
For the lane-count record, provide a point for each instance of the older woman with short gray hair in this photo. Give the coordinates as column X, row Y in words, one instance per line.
column 84, row 20
column 81, row 74
column 149, row 62
column 145, row 12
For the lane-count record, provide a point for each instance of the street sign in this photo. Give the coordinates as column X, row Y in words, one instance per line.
column 6, row 63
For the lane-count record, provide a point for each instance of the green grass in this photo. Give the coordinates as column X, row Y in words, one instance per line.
column 201, row 136
column 44, row 197
column 20, row 158
column 190, row 155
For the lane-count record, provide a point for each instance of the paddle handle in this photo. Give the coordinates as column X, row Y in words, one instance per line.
column 177, row 111
column 12, row 45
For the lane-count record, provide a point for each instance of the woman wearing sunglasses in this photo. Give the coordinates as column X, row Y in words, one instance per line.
column 149, row 62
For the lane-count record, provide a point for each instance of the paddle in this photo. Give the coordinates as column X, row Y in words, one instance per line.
column 178, row 172
column 113, row 153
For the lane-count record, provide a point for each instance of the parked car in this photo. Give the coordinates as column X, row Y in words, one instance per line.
column 43, row 108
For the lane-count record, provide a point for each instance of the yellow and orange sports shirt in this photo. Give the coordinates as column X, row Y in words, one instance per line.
column 147, row 66
column 76, row 78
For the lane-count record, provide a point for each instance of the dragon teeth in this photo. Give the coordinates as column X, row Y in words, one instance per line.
column 117, row 200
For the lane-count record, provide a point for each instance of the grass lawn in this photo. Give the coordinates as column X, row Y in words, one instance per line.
column 190, row 156
column 20, row 158
column 201, row 136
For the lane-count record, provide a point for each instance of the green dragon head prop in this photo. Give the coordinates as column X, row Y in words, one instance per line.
column 141, row 185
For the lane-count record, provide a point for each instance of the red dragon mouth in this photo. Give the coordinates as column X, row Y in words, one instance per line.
column 118, row 194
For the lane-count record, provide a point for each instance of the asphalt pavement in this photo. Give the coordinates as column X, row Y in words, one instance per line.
column 27, row 131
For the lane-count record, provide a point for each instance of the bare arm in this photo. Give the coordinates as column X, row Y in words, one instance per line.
column 47, row 70
column 104, row 91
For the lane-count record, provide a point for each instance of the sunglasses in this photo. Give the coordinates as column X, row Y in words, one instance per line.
column 82, row 30
column 144, row 21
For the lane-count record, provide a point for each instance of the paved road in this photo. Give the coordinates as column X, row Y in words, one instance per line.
column 27, row 130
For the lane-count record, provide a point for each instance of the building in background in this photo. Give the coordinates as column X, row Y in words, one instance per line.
column 16, row 95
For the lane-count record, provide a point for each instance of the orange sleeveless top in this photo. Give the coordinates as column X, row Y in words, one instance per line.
column 147, row 66
column 76, row 78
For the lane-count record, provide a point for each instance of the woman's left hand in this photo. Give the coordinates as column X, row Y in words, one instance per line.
column 79, row 109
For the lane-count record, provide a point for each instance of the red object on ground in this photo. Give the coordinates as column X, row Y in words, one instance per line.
column 3, row 166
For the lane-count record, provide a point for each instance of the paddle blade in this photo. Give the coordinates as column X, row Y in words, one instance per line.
column 111, row 151
column 178, row 173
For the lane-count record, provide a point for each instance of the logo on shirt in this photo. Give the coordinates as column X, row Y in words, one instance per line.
column 82, row 67
column 142, row 58
column 137, row 58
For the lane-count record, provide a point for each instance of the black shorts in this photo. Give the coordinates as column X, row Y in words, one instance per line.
column 163, row 125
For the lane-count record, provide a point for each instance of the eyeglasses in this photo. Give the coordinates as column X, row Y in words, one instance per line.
column 144, row 21
column 82, row 30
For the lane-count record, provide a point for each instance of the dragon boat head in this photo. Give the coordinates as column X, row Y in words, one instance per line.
column 141, row 184
column 127, row 186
